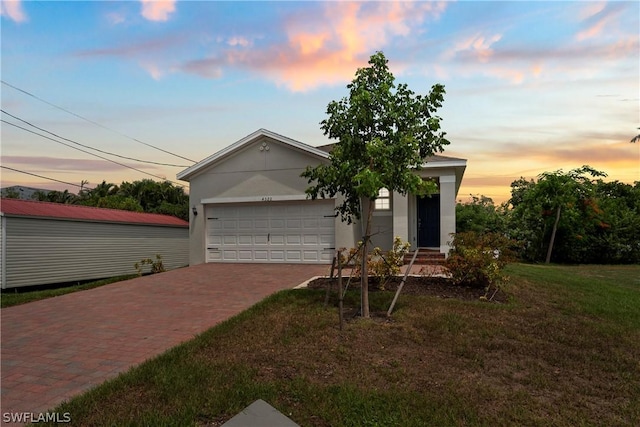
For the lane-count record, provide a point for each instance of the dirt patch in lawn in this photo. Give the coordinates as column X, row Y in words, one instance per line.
column 439, row 287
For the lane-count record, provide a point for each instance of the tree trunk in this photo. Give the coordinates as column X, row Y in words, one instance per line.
column 364, row 279
column 553, row 236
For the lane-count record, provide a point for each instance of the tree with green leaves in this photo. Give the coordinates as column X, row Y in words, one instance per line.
column 55, row 197
column 539, row 207
column 615, row 231
column 480, row 215
column 145, row 195
column 383, row 131
column 10, row 193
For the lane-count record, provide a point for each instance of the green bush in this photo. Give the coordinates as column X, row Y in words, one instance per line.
column 381, row 265
column 156, row 266
column 478, row 259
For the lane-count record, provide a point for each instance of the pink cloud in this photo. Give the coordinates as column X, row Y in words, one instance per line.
column 44, row 164
column 157, row 10
column 325, row 48
column 478, row 54
column 13, row 10
column 597, row 17
column 153, row 70
column 476, row 47
column 239, row 41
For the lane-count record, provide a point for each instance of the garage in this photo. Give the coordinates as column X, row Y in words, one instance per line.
column 287, row 232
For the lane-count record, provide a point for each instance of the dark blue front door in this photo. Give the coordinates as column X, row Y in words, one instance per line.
column 429, row 221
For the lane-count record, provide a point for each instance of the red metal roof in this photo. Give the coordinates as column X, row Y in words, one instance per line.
column 17, row 207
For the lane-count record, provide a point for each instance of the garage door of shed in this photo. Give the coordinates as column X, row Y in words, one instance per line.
column 291, row 232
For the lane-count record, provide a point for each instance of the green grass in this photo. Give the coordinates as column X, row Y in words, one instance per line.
column 563, row 352
column 8, row 298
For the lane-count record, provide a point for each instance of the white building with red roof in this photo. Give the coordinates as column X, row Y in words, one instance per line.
column 46, row 243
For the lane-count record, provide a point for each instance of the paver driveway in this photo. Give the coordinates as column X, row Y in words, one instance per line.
column 56, row 348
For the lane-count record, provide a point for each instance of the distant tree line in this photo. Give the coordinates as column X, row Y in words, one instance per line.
column 563, row 217
column 145, row 195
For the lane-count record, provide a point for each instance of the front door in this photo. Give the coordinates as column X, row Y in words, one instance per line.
column 429, row 221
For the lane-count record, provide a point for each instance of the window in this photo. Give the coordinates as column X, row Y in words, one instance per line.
column 383, row 202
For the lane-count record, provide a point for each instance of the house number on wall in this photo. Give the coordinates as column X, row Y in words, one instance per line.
column 267, row 199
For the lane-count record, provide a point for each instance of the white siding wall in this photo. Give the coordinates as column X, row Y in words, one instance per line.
column 2, row 251
column 42, row 251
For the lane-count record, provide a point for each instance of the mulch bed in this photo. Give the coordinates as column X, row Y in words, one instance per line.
column 440, row 287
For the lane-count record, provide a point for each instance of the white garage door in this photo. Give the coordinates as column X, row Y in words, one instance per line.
column 293, row 232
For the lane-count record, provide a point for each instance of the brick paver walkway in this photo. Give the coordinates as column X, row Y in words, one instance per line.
column 57, row 348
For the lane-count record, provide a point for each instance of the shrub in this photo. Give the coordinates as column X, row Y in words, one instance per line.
column 381, row 265
column 478, row 259
column 156, row 266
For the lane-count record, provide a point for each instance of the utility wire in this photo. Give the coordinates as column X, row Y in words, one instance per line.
column 44, row 177
column 89, row 147
column 88, row 152
column 92, row 122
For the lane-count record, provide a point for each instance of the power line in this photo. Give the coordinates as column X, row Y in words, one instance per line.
column 93, row 122
column 90, row 153
column 89, row 147
column 44, row 177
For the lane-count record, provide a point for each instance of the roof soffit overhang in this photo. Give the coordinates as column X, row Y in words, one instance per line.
column 457, row 165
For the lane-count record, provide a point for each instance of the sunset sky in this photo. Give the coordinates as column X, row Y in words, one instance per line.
column 531, row 86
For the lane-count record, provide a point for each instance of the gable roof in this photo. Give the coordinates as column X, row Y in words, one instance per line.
column 32, row 208
column 186, row 174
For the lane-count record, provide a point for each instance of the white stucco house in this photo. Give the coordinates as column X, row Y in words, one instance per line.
column 249, row 205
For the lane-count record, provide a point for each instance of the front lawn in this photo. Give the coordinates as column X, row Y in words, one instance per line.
column 563, row 351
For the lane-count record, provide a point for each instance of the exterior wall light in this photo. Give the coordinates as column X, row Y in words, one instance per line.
column 194, row 210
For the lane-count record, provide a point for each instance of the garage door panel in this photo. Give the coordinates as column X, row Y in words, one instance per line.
column 261, row 224
column 271, row 232
column 311, row 256
column 245, row 224
column 260, row 211
column 294, row 239
column 229, row 224
column 245, row 239
column 230, row 255
column 260, row 239
column 294, row 210
column 214, row 255
column 278, row 211
column 310, row 239
column 277, row 239
column 261, row 255
column 294, row 223
column 276, row 255
column 277, row 223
